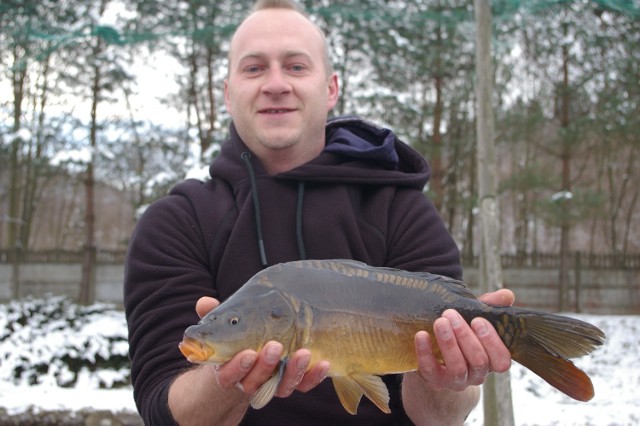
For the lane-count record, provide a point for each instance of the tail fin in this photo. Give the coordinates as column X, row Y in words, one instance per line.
column 545, row 342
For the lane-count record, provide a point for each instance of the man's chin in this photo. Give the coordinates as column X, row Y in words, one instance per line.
column 278, row 141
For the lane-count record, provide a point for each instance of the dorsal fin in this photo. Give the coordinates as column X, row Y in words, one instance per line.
column 456, row 286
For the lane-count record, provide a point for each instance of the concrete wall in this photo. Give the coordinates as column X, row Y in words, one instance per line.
column 599, row 291
column 62, row 279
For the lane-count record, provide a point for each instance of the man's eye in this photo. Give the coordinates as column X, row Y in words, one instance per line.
column 253, row 69
column 297, row 68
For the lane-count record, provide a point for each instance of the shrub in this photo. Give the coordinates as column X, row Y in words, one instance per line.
column 55, row 341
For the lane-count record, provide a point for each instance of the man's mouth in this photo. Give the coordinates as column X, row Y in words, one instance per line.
column 275, row 111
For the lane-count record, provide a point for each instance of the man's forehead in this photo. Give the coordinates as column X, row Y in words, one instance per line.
column 274, row 22
column 282, row 54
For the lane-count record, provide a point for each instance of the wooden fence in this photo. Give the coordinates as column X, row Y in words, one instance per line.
column 552, row 260
column 62, row 256
column 624, row 261
column 600, row 284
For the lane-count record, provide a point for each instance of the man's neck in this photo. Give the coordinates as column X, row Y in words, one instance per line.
column 280, row 161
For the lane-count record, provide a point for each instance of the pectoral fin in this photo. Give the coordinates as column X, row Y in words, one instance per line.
column 266, row 392
column 374, row 388
column 351, row 388
column 348, row 392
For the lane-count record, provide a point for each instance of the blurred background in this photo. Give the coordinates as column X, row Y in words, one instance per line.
column 106, row 104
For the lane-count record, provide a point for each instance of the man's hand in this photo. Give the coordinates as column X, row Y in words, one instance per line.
column 470, row 352
column 248, row 370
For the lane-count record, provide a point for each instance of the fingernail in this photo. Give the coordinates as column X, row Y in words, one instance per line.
column 303, row 362
column 479, row 372
column 324, row 372
column 454, row 319
column 444, row 330
column 460, row 380
column 248, row 361
column 288, row 391
column 422, row 341
column 273, row 353
column 480, row 327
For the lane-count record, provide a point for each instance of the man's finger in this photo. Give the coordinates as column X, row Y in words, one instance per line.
column 502, row 297
column 471, row 347
column 499, row 355
column 232, row 372
column 428, row 365
column 296, row 367
column 314, row 376
column 268, row 360
column 205, row 305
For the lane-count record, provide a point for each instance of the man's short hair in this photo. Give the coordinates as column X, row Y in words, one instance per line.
column 295, row 6
column 278, row 4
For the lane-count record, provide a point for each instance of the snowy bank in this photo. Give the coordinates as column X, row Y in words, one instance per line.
column 57, row 356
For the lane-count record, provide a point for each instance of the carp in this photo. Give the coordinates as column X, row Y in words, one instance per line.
column 363, row 320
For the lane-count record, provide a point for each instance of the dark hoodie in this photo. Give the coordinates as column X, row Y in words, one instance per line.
column 361, row 199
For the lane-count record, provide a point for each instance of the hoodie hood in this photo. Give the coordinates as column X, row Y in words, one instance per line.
column 357, row 151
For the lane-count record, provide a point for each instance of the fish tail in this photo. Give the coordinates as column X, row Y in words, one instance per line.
column 544, row 343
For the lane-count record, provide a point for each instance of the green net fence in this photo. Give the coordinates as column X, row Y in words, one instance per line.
column 566, row 92
column 51, row 21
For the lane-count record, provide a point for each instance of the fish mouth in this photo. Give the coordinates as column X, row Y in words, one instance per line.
column 195, row 350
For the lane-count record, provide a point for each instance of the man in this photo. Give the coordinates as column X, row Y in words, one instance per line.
column 289, row 185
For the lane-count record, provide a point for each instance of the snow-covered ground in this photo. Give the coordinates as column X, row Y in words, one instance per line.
column 614, row 369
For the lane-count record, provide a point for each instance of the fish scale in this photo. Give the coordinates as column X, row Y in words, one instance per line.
column 363, row 320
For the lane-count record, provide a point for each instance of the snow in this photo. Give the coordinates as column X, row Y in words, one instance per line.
column 562, row 195
column 18, row 399
column 614, row 369
column 100, row 332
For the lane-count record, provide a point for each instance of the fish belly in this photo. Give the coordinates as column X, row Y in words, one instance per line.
column 360, row 343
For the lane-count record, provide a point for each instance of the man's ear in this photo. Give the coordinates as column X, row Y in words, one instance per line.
column 227, row 101
column 333, row 89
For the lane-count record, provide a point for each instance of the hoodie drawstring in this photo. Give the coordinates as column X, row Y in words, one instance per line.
column 302, row 252
column 301, row 249
column 246, row 156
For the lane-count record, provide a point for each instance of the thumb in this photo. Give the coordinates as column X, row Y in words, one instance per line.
column 205, row 305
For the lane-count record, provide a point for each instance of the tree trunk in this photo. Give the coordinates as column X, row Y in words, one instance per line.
column 211, row 111
column 498, row 406
column 565, row 200
column 437, row 163
column 87, row 283
column 14, row 220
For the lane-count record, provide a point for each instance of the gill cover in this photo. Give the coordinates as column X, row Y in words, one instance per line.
column 247, row 320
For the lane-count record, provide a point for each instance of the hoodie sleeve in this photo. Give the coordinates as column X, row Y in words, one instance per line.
column 418, row 239
column 166, row 271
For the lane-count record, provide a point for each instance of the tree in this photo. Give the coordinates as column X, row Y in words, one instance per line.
column 93, row 70
column 29, row 70
column 617, row 127
column 421, row 58
column 348, row 27
column 202, row 30
column 497, row 410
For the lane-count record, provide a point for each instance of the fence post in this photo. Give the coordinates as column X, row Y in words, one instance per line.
column 87, row 292
column 16, row 262
column 578, row 281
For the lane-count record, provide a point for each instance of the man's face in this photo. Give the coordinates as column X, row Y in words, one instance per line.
column 278, row 91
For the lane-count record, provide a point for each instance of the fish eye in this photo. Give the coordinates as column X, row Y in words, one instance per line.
column 234, row 320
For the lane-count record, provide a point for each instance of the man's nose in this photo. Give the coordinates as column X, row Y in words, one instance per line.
column 276, row 82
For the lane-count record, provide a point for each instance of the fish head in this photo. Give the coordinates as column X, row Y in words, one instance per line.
column 239, row 324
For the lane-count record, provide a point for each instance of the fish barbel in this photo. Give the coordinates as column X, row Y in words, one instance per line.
column 363, row 320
